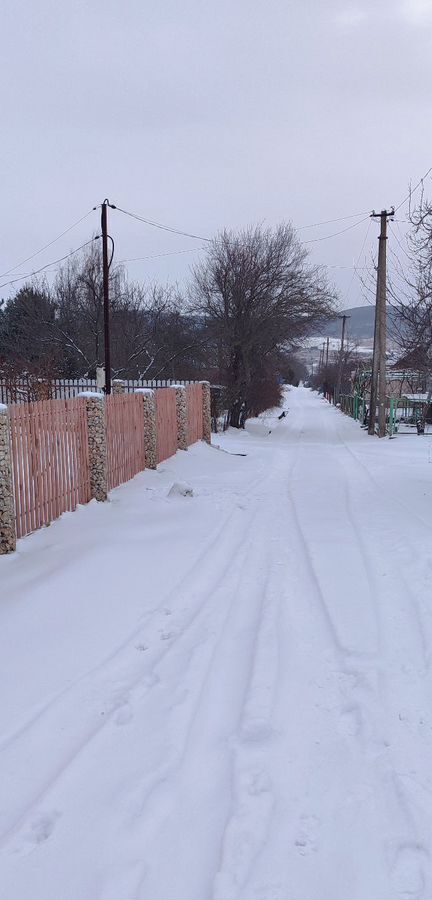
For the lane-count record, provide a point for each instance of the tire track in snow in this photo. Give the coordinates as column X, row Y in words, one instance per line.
column 406, row 856
column 133, row 634
column 385, row 514
column 247, row 827
column 212, row 729
column 117, row 668
column 249, row 729
column 252, row 803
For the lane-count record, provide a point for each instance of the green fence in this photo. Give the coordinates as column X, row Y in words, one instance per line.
column 353, row 405
column 404, row 415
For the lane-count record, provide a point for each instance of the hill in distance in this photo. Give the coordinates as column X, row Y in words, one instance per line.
column 360, row 325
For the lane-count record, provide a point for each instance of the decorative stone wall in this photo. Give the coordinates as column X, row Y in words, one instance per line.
column 95, row 404
column 118, row 386
column 206, row 411
column 7, row 506
column 149, row 409
column 182, row 416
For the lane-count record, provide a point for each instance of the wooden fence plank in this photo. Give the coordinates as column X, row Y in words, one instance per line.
column 166, row 423
column 194, row 399
column 50, row 460
column 125, row 438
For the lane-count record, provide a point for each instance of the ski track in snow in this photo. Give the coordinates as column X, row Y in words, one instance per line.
column 264, row 732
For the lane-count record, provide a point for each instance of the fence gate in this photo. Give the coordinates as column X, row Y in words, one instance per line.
column 125, row 438
column 194, row 394
column 50, row 465
column 166, row 423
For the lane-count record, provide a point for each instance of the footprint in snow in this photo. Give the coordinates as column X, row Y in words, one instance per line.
column 408, row 872
column 38, row 831
column 124, row 715
column 306, row 841
column 350, row 722
column 272, row 892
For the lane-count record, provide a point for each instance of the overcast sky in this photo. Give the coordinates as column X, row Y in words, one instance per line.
column 204, row 115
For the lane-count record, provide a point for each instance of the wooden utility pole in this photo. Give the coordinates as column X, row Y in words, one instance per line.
column 339, row 377
column 105, row 279
column 327, row 352
column 379, row 381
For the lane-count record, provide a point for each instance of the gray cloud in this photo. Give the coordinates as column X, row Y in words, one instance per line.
column 205, row 115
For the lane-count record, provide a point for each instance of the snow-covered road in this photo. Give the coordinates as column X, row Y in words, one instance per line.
column 227, row 697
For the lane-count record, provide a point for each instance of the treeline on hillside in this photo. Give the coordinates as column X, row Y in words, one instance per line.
column 247, row 307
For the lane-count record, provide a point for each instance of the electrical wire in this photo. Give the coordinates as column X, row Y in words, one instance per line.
column 336, row 233
column 350, row 268
column 411, row 192
column 159, row 255
column 404, row 249
column 52, row 263
column 331, row 221
column 45, row 247
column 197, row 237
column 356, row 266
column 172, row 230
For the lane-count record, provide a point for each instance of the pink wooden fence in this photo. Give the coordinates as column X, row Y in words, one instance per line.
column 50, row 455
column 125, row 438
column 194, row 393
column 166, row 423
column 50, row 463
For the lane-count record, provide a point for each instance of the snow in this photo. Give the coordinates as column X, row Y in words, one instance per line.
column 3, row 407
column 227, row 698
column 91, row 394
column 180, row 489
column 423, row 396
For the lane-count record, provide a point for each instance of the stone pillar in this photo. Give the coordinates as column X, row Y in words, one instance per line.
column 118, row 386
column 182, row 416
column 95, row 404
column 206, row 402
column 150, row 442
column 7, row 505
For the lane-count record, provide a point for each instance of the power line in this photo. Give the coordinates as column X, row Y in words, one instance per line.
column 350, row 268
column 45, row 247
column 335, row 233
column 159, row 255
column 196, row 237
column 411, row 192
column 172, row 230
column 404, row 249
column 331, row 221
column 356, row 266
column 53, row 263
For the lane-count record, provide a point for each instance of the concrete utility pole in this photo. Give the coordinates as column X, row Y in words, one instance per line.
column 339, row 378
column 105, row 278
column 379, row 383
column 327, row 352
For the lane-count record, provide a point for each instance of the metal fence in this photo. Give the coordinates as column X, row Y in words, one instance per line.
column 28, row 389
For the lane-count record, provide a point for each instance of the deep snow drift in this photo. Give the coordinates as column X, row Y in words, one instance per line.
column 226, row 696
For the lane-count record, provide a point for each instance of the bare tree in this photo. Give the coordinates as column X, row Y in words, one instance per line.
column 257, row 294
column 410, row 289
column 61, row 328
